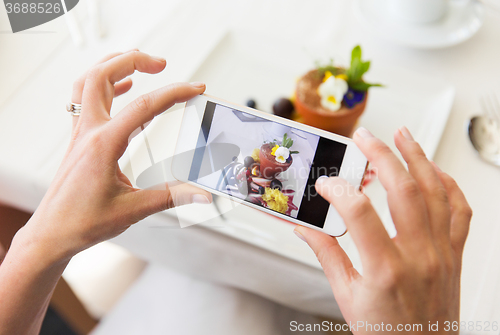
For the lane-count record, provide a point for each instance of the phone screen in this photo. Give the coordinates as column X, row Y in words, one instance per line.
column 276, row 166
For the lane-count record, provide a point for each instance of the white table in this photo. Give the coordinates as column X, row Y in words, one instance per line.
column 34, row 131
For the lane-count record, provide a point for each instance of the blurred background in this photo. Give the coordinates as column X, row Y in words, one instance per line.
column 243, row 271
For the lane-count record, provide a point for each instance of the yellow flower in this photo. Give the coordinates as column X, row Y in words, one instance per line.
column 255, row 155
column 341, row 76
column 273, row 151
column 328, row 74
column 275, row 200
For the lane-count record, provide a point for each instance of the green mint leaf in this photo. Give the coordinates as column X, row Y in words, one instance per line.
column 365, row 66
column 362, row 86
column 355, row 72
column 286, row 143
column 356, row 54
column 293, row 152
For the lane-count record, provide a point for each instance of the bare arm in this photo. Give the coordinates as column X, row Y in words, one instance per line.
column 90, row 199
column 28, row 277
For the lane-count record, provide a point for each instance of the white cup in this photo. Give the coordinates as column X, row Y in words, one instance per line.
column 418, row 11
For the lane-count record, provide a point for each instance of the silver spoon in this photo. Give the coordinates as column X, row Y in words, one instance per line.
column 484, row 133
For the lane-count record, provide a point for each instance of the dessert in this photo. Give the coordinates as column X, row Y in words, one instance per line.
column 275, row 200
column 255, row 155
column 333, row 98
column 270, row 167
column 248, row 161
column 256, row 177
column 276, row 158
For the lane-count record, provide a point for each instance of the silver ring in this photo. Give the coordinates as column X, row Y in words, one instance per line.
column 74, row 109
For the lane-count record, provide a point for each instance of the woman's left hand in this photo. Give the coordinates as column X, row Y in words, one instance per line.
column 90, row 199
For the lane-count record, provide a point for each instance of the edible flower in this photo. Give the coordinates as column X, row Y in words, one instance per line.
column 332, row 92
column 275, row 200
column 282, row 154
column 352, row 75
column 328, row 74
column 273, row 150
column 255, row 155
column 353, row 97
column 341, row 76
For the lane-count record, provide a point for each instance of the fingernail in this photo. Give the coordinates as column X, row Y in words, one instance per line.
column 406, row 133
column 200, row 199
column 159, row 59
column 197, row 84
column 363, row 132
column 321, row 180
column 299, row 235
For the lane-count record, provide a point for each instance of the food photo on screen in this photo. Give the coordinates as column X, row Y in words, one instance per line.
column 274, row 163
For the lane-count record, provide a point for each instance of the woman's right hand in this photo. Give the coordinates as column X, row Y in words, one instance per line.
column 413, row 278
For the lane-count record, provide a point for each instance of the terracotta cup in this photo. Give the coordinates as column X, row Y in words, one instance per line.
column 269, row 167
column 340, row 122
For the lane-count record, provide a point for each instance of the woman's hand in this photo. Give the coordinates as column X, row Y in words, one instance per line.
column 413, row 278
column 90, row 199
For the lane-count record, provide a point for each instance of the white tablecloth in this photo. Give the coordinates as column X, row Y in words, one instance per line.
column 166, row 302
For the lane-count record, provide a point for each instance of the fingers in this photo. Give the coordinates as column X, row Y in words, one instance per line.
column 144, row 108
column 150, row 201
column 99, row 84
column 461, row 213
column 433, row 191
column 406, row 203
column 123, row 87
column 79, row 85
column 120, row 88
column 361, row 220
column 335, row 262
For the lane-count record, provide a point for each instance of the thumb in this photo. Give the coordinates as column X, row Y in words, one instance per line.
column 184, row 194
column 333, row 259
column 166, row 196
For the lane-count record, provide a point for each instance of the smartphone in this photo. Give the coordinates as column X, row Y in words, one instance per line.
column 264, row 161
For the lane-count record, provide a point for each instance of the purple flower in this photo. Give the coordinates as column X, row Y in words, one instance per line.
column 353, row 97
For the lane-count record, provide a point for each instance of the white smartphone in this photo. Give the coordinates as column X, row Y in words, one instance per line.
column 264, row 161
